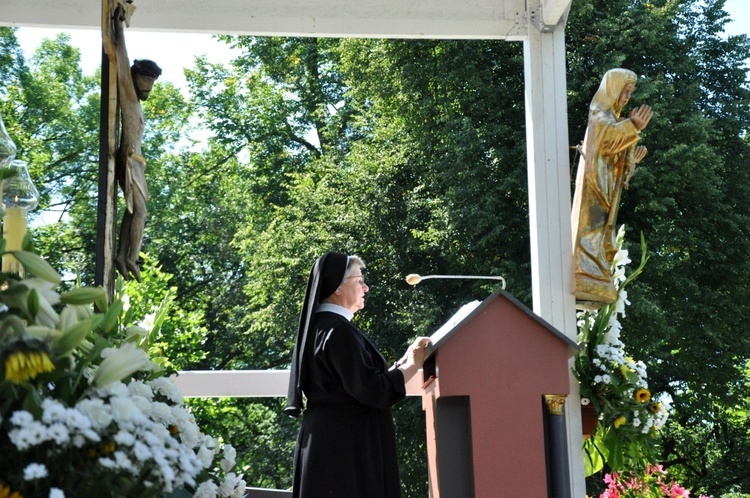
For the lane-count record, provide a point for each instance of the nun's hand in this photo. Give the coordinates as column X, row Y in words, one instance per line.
column 414, row 355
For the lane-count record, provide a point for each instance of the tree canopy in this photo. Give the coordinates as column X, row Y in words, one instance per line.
column 411, row 154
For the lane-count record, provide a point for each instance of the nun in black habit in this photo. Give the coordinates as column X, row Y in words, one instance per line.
column 346, row 446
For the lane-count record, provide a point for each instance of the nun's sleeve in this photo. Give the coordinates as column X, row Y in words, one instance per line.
column 361, row 369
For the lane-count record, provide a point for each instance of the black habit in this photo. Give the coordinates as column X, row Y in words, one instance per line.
column 346, row 446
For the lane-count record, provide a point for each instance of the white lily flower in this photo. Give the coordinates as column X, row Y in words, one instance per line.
column 621, row 258
column 48, row 297
column 120, row 363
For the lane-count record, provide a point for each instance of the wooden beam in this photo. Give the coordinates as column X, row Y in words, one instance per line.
column 106, row 221
column 247, row 384
column 233, row 383
column 555, row 12
column 488, row 19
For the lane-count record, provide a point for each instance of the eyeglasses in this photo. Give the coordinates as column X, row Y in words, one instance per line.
column 361, row 280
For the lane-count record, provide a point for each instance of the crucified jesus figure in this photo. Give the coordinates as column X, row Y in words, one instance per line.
column 133, row 86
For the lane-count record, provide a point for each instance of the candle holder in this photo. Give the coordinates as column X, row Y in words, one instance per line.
column 7, row 147
column 19, row 197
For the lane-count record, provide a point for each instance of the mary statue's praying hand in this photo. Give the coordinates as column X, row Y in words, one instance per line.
column 607, row 162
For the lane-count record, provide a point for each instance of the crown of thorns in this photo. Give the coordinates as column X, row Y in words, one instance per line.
column 146, row 67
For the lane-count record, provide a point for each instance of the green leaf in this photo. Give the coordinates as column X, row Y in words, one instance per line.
column 594, row 455
column 83, row 295
column 37, row 266
column 111, row 317
column 32, row 302
column 73, row 337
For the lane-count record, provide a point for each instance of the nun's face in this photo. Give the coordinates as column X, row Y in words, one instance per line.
column 351, row 292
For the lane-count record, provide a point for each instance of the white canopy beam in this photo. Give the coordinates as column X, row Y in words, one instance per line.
column 549, row 205
column 487, row 19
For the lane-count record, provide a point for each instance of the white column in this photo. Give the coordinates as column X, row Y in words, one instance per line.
column 549, row 207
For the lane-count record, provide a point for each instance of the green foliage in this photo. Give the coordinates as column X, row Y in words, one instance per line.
column 411, row 154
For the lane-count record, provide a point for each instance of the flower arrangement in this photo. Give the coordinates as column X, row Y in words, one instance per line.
column 629, row 416
column 84, row 411
column 652, row 484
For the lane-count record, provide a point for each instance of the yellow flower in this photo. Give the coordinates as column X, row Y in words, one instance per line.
column 7, row 493
column 103, row 449
column 642, row 395
column 21, row 366
column 654, row 407
column 620, row 421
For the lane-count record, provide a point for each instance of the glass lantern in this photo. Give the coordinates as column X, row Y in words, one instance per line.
column 19, row 197
column 7, row 147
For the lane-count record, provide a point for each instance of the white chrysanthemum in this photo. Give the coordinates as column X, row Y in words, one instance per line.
column 232, row 486
column 123, row 462
column 31, row 434
column 58, row 433
column 124, row 438
column 167, row 388
column 210, row 443
column 206, row 456
column 162, row 412
column 113, row 389
column 167, row 473
column 34, row 471
column 141, row 451
column 140, row 388
column 206, row 489
column 143, row 404
column 230, row 458
column 190, row 434
column 52, row 411
column 56, row 493
column 124, row 412
column 21, row 418
column 96, row 411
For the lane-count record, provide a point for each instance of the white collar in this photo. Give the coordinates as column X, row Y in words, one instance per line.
column 335, row 308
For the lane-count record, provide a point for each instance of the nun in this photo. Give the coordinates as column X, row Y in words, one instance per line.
column 346, row 447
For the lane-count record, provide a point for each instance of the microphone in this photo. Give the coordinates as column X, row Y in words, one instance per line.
column 414, row 279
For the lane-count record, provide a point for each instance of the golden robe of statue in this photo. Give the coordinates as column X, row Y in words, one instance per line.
column 607, row 161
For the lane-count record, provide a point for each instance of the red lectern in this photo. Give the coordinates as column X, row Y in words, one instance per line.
column 485, row 379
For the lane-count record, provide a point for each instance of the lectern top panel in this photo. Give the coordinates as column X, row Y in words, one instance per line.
column 453, row 321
